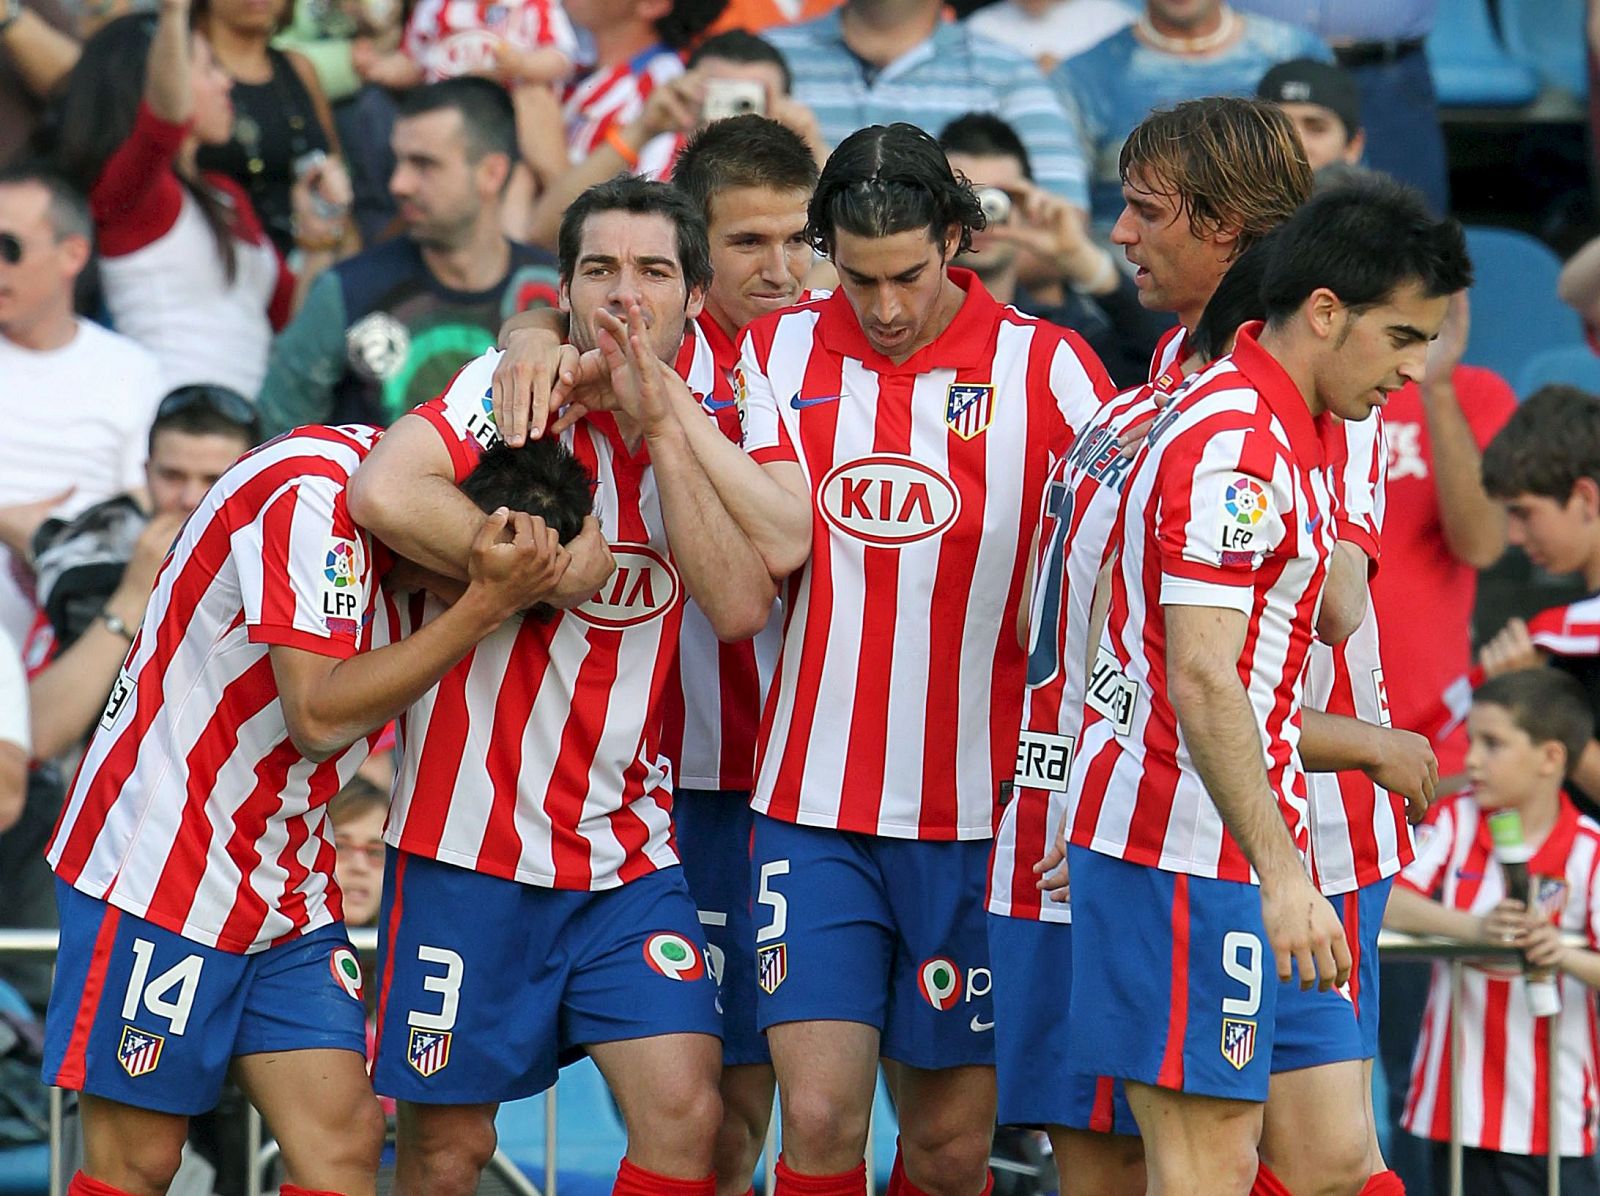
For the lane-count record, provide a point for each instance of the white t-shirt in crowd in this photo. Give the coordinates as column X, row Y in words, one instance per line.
column 1065, row 28
column 13, row 698
column 75, row 416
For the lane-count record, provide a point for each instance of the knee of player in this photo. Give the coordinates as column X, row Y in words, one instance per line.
column 815, row 1118
column 360, row 1140
column 957, row 1155
column 1332, row 1165
column 150, row 1165
column 460, row 1143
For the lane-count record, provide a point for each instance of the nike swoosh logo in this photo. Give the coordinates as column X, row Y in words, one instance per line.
column 979, row 1025
column 711, row 404
column 799, row 404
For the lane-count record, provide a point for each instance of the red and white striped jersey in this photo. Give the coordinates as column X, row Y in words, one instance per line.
column 192, row 808
column 612, row 98
column 1506, row 1051
column 898, row 692
column 1359, row 833
column 1229, row 507
column 1571, row 630
column 1081, row 510
column 447, row 38
column 712, row 710
column 538, row 757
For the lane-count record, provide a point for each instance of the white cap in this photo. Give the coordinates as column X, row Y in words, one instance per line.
column 1544, row 997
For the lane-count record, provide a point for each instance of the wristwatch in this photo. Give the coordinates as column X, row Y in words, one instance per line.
column 116, row 626
column 10, row 10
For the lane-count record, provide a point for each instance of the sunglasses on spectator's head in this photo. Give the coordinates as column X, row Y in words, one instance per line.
column 229, row 404
column 10, row 248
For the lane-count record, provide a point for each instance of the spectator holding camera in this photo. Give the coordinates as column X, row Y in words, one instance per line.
column 1083, row 288
column 186, row 267
column 282, row 128
column 63, row 375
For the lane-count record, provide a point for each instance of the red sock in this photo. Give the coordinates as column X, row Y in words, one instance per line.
column 82, row 1185
column 847, row 1183
column 1385, row 1183
column 297, row 1190
column 633, row 1180
column 1267, row 1184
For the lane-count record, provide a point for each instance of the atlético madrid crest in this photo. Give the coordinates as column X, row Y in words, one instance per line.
column 139, row 1052
column 772, row 965
column 969, row 408
column 428, row 1050
column 1238, row 1042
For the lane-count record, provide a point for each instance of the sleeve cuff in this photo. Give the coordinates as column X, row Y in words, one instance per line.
column 1362, row 538
column 771, row 453
column 463, row 451
column 337, row 647
column 1186, row 591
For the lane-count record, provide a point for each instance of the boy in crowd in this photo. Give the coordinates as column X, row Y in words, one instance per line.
column 1525, row 729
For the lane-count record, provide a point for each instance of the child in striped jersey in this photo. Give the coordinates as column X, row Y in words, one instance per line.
column 1524, row 730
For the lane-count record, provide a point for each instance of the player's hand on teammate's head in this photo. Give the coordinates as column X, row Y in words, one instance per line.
column 1304, row 933
column 517, row 561
column 527, row 382
column 591, row 566
column 1407, row 766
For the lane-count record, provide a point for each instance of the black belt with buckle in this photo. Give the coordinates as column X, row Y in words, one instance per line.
column 1375, row 53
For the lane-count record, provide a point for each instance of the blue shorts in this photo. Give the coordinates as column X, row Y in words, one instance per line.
column 486, row 986
column 886, row 932
column 151, row 1019
column 1173, row 982
column 713, row 831
column 1362, row 913
column 1032, row 963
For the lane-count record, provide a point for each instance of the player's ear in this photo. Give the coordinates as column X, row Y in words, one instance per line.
column 1586, row 496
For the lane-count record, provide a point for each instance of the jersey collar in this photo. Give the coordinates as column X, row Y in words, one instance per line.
column 963, row 344
column 723, row 350
column 1274, row 385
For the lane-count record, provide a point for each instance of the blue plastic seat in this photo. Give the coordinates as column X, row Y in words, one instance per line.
column 1471, row 69
column 1515, row 312
column 1573, row 365
column 1549, row 37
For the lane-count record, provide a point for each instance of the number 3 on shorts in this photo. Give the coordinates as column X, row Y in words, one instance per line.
column 447, row 986
column 1241, row 960
column 774, row 900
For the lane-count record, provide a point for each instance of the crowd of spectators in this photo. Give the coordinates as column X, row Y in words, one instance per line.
column 220, row 219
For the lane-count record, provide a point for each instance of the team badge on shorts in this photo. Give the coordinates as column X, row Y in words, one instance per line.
column 969, row 408
column 1238, row 1042
column 939, row 982
column 428, row 1051
column 346, row 971
column 139, row 1052
column 772, row 965
column 674, row 956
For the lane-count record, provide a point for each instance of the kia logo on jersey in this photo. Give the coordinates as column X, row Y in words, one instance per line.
column 888, row 499
column 644, row 587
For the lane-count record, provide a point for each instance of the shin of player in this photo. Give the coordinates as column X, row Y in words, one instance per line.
column 203, row 932
column 1230, row 507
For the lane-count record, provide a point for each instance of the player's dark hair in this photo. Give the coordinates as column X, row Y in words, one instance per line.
column 641, row 197
column 1546, row 704
column 887, row 179
column 740, row 45
column 985, row 135
column 1363, row 241
column 487, row 117
column 1226, row 162
column 541, row 478
column 1236, row 301
column 743, row 151
column 686, row 20
column 359, row 796
column 1550, row 441
column 206, row 409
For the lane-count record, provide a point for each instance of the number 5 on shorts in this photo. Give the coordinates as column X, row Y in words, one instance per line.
column 1241, row 960
column 776, row 901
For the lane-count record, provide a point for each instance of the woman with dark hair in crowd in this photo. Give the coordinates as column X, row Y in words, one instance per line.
column 282, row 122
column 185, row 266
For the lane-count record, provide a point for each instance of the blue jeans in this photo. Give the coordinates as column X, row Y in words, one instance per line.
column 1401, row 116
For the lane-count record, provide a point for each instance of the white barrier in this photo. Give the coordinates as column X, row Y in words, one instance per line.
column 1390, row 945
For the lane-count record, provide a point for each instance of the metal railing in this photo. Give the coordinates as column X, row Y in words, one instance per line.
column 1391, row 945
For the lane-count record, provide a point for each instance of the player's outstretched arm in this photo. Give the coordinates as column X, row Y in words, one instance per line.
column 328, row 704
column 1401, row 761
column 1204, row 644
column 720, row 567
column 405, row 494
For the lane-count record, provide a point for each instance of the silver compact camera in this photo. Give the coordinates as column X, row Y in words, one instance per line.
column 996, row 205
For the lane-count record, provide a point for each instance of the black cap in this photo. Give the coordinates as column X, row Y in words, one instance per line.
column 1307, row 81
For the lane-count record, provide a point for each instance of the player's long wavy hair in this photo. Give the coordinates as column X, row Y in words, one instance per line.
column 1231, row 164
column 887, row 179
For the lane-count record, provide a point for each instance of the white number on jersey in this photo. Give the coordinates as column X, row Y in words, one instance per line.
column 183, row 976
